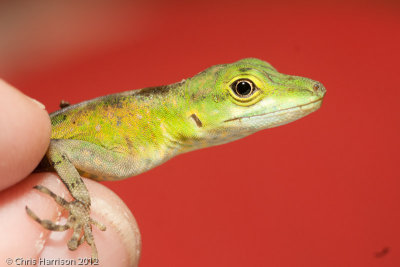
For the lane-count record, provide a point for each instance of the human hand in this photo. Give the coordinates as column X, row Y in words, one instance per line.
column 24, row 137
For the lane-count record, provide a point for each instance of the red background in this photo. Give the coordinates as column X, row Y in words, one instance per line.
column 323, row 191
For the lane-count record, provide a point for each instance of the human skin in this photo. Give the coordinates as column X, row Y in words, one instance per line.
column 24, row 138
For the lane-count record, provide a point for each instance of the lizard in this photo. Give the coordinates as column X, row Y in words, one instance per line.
column 122, row 135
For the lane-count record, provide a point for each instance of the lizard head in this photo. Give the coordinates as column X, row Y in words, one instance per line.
column 234, row 100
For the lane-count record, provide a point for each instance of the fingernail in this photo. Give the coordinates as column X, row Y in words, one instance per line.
column 40, row 105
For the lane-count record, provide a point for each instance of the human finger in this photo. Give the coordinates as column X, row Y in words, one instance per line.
column 25, row 131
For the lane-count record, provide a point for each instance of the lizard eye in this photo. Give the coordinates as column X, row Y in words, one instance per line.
column 243, row 88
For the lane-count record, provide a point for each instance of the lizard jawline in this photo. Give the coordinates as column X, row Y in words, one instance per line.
column 281, row 112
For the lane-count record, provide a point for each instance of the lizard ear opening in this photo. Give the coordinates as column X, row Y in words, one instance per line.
column 196, row 120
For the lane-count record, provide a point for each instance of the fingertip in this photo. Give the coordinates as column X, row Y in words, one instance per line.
column 24, row 136
column 119, row 245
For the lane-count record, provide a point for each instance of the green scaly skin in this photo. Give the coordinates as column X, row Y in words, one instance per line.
column 121, row 135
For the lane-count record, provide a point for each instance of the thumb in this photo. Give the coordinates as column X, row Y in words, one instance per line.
column 119, row 245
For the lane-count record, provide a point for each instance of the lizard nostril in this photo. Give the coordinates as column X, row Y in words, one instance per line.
column 316, row 87
column 319, row 89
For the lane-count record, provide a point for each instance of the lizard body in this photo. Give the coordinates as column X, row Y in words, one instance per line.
column 122, row 135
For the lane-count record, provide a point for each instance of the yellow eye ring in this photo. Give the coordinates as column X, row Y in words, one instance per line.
column 244, row 91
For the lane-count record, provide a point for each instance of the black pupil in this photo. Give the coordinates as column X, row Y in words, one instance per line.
column 243, row 88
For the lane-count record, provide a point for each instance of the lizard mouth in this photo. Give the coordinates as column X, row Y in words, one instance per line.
column 304, row 107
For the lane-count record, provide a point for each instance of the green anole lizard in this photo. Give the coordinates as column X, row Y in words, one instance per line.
column 121, row 135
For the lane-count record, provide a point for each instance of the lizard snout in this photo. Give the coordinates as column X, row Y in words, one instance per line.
column 319, row 89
